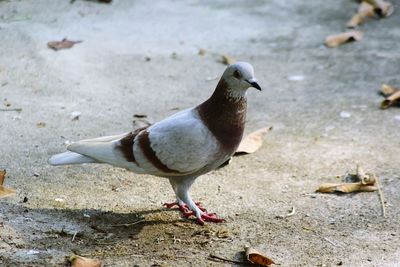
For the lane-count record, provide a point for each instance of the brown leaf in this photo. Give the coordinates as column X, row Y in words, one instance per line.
column 79, row 261
column 201, row 52
column 341, row 38
column 387, row 90
column 382, row 8
column 227, row 60
column 366, row 10
column 252, row 142
column 255, row 257
column 63, row 44
column 364, row 182
column 40, row 124
column 2, row 176
column 390, row 100
column 356, row 20
column 4, row 191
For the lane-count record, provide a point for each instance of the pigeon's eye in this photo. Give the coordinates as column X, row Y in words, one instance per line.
column 236, row 74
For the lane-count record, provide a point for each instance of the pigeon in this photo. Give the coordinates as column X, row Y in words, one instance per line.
column 181, row 147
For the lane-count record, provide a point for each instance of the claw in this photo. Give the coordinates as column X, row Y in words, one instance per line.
column 209, row 217
column 186, row 212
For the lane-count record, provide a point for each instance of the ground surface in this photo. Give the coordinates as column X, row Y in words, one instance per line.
column 108, row 79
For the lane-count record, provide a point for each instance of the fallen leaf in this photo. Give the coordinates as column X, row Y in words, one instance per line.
column 4, row 191
column 393, row 96
column 360, row 182
column 365, row 10
column 63, row 44
column 40, row 124
column 227, row 60
column 2, row 176
column 79, row 261
column 387, row 90
column 255, row 257
column 381, row 8
column 252, row 142
column 345, row 188
column 201, row 52
column 341, row 38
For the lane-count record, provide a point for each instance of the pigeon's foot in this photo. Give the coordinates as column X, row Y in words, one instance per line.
column 204, row 217
column 182, row 207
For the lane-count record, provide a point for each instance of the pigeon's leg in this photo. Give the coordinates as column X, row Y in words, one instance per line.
column 179, row 203
column 182, row 192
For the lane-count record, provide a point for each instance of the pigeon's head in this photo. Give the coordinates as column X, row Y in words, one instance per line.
column 239, row 77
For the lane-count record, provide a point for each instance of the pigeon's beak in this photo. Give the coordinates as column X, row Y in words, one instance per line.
column 253, row 83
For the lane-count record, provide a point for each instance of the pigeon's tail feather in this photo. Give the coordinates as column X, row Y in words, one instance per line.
column 100, row 151
column 69, row 157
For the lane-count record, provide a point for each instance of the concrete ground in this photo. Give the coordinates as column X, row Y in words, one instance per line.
column 141, row 57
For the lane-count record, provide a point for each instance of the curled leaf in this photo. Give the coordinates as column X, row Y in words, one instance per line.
column 4, row 191
column 79, row 261
column 227, row 60
column 63, row 44
column 356, row 20
column 252, row 142
column 387, row 90
column 255, row 257
column 2, row 176
column 390, row 100
column 360, row 182
column 382, row 8
column 342, row 188
column 341, row 38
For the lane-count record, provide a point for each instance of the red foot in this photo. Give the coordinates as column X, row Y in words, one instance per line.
column 182, row 208
column 186, row 212
column 205, row 217
column 209, row 217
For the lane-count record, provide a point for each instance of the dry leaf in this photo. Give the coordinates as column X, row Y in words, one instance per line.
column 2, row 176
column 40, row 124
column 4, row 191
column 63, row 44
column 201, row 52
column 381, row 8
column 227, row 60
column 345, row 188
column 341, row 38
column 252, row 142
column 256, row 257
column 356, row 20
column 387, row 90
column 79, row 261
column 390, row 100
column 363, row 182
column 366, row 10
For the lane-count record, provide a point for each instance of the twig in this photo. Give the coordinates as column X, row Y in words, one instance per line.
column 212, row 256
column 11, row 109
column 287, row 215
column 331, row 242
column 381, row 198
column 128, row 224
column 73, row 238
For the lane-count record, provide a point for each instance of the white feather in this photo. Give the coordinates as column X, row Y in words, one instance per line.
column 69, row 158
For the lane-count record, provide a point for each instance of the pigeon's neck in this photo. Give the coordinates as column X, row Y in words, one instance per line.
column 224, row 114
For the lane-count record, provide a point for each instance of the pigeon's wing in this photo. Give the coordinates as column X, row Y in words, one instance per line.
column 178, row 145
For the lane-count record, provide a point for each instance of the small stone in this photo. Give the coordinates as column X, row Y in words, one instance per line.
column 296, row 78
column 345, row 114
